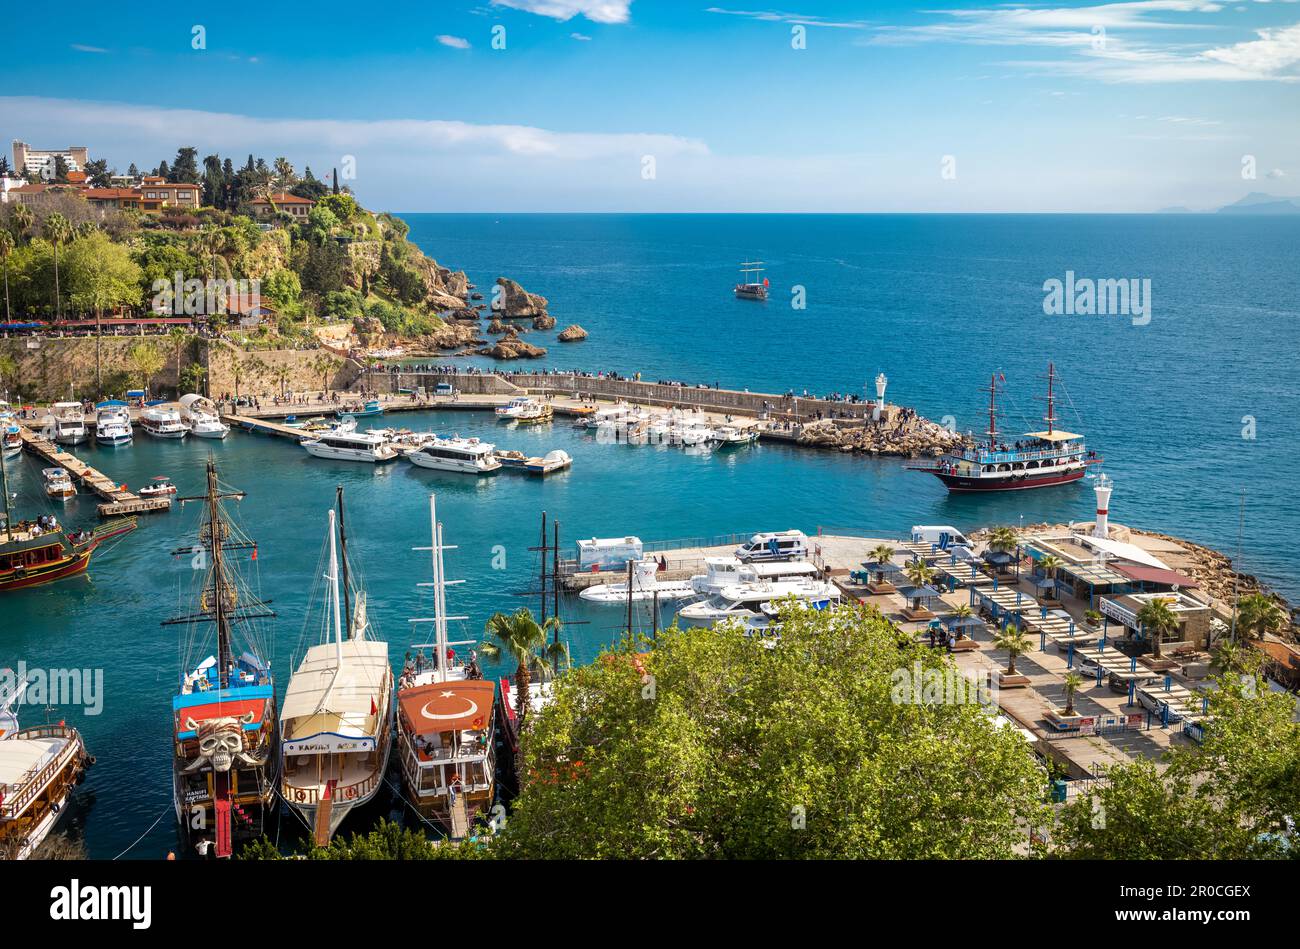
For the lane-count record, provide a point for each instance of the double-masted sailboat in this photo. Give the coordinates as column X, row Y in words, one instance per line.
column 446, row 719
column 224, row 722
column 338, row 710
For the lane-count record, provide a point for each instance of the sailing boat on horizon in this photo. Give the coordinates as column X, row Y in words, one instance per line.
column 338, row 710
column 224, row 722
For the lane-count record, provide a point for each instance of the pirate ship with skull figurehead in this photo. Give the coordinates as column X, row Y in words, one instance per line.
column 224, row 723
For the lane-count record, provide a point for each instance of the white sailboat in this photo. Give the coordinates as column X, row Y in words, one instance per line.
column 446, row 718
column 337, row 719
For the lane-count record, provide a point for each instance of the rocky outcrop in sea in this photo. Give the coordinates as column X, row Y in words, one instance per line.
column 571, row 334
column 515, row 301
column 510, row 346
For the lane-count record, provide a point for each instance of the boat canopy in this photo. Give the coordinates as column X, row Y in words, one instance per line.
column 448, row 706
column 324, row 697
column 22, row 757
column 1057, row 436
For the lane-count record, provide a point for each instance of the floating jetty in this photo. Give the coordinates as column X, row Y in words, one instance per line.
column 117, row 502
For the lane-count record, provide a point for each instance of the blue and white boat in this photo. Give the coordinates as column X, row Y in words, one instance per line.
column 112, row 424
column 365, row 410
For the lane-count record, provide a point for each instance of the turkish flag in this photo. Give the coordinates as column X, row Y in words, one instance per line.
column 374, row 709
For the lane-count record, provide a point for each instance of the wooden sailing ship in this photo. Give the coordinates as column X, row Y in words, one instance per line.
column 224, row 724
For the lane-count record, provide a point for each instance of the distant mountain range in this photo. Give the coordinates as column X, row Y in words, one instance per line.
column 1256, row 203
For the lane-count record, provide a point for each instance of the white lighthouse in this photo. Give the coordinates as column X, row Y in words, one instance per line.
column 1103, row 490
column 881, row 383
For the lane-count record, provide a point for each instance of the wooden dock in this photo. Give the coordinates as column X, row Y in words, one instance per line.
column 265, row 426
column 117, row 502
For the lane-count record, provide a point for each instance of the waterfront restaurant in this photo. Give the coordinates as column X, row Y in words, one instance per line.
column 1193, row 617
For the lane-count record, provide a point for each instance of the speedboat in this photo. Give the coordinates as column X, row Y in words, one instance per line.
column 645, row 585
column 58, row 484
column 203, row 416
column 66, row 423
column 163, row 421
column 467, row 455
column 159, row 487
column 112, row 424
column 351, row 446
column 40, row 768
column 746, row 600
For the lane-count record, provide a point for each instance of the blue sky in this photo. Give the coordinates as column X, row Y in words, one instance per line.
column 886, row 107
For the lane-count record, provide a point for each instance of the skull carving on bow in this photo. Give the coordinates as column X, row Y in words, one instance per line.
column 221, row 740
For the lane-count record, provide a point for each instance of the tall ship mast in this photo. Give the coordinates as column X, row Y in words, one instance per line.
column 751, row 287
column 446, row 717
column 224, row 722
column 338, row 709
column 1034, row 460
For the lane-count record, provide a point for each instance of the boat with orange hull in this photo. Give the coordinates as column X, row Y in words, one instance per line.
column 1035, row 460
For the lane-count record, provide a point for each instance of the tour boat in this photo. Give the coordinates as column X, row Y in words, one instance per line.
column 750, row 286
column 746, row 599
column 1036, row 460
column 58, row 484
column 112, row 424
column 66, row 423
column 512, row 408
column 361, row 410
column 11, row 439
column 337, row 718
column 645, row 585
column 40, row 768
column 203, row 416
column 224, row 724
column 446, row 719
column 467, row 455
column 163, row 421
column 341, row 445
column 159, row 487
column 723, row 572
column 524, row 411
column 731, row 436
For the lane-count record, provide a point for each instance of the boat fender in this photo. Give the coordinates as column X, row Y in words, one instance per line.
column 91, row 760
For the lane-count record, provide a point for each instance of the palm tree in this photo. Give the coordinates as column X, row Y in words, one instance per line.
column 1073, row 682
column 1050, row 564
column 960, row 613
column 1159, row 620
column 1003, row 538
column 58, row 231
column 1014, row 641
column 919, row 572
column 178, row 338
column 519, row 637
column 882, row 555
column 7, row 248
column 237, row 372
column 325, row 364
column 282, row 374
column 1258, row 614
column 1231, row 657
column 21, row 220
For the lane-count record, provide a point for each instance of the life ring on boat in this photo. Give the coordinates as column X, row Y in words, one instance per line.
column 350, row 793
column 300, row 795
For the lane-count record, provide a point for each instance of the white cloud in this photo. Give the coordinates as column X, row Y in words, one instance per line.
column 775, row 16
column 455, row 42
column 1276, row 173
column 82, row 48
column 580, row 36
column 597, row 11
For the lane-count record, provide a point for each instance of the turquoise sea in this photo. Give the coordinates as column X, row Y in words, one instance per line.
column 936, row 302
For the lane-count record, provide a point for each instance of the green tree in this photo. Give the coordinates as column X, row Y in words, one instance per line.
column 21, row 220
column 8, row 372
column 145, row 360
column 387, row 841
column 919, row 573
column 1072, row 683
column 97, row 173
column 58, row 232
column 6, row 248
column 518, row 637
column 1003, row 539
column 1159, row 621
column 193, row 378
column 1258, row 614
column 178, row 338
column 714, row 745
column 881, row 555
column 102, row 274
column 1013, row 639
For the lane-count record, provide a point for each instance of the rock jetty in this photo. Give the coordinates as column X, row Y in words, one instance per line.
column 915, row 437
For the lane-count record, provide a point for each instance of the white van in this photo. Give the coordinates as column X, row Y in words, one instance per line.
column 782, row 545
column 941, row 535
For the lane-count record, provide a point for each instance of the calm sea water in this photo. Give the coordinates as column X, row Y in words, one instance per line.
column 937, row 303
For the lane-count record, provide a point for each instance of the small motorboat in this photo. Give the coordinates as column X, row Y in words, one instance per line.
column 369, row 408
column 161, row 485
column 58, row 484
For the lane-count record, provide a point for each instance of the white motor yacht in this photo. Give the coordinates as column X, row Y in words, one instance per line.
column 746, row 600
column 467, row 455
column 66, row 423
column 113, row 425
column 645, row 586
column 203, row 417
column 351, row 446
column 163, row 421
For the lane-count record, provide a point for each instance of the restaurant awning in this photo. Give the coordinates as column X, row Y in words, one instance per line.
column 1144, row 574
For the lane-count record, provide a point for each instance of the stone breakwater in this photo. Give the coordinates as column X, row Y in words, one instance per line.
column 902, row 434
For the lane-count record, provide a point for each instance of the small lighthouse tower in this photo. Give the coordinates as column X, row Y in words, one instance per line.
column 881, row 383
column 1103, row 489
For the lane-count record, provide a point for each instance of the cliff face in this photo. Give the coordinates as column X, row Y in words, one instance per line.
column 515, row 301
column 448, row 289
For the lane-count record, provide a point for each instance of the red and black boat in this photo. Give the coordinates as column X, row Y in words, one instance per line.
column 1035, row 460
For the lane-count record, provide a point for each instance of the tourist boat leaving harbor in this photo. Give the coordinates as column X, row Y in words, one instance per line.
column 39, row 769
column 224, row 724
column 338, row 710
column 112, row 424
column 446, row 719
column 58, row 484
column 750, row 286
column 361, row 410
column 1037, row 460
column 66, row 423
column 203, row 417
column 745, row 600
column 340, row 445
column 645, row 585
column 163, row 421
column 465, row 455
